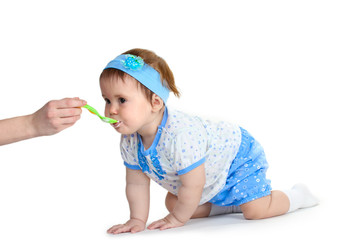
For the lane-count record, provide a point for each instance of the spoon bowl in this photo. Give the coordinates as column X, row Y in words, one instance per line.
column 95, row 112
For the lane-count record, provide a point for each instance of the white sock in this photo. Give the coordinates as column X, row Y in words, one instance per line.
column 300, row 197
column 218, row 210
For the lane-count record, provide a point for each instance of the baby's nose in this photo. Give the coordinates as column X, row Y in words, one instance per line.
column 113, row 110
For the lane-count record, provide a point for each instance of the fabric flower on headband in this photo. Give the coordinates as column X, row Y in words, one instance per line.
column 133, row 62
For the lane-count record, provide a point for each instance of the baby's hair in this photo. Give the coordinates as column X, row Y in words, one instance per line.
column 156, row 62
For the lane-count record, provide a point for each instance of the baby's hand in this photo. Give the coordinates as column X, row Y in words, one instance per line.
column 133, row 226
column 169, row 221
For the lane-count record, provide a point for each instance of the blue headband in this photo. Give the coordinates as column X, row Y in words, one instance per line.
column 142, row 72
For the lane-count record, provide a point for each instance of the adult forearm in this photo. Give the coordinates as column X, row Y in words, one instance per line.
column 52, row 118
column 16, row 129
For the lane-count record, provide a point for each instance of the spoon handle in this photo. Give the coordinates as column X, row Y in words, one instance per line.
column 91, row 109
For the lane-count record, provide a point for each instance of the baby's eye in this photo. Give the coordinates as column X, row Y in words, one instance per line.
column 122, row 100
column 107, row 101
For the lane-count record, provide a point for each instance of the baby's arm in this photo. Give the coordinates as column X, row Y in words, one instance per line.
column 189, row 196
column 137, row 191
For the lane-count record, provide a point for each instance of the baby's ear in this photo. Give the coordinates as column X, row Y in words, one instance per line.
column 157, row 103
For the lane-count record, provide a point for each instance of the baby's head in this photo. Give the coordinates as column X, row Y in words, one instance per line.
column 135, row 84
column 115, row 71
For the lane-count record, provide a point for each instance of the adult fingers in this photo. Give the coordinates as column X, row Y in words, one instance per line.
column 68, row 112
column 69, row 120
column 69, row 103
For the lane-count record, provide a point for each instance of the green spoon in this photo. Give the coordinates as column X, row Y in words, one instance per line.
column 104, row 119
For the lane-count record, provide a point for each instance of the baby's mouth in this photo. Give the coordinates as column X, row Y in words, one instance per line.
column 117, row 124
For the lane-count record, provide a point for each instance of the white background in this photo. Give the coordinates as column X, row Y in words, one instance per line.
column 274, row 67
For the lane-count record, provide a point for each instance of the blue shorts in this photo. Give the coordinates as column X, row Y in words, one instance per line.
column 246, row 180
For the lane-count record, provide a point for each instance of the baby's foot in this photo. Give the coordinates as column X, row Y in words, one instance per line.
column 300, row 197
column 308, row 199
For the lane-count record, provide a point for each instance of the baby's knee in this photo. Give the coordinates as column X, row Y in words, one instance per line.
column 254, row 214
column 170, row 201
column 257, row 209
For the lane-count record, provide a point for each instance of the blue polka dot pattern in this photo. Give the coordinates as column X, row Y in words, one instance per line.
column 184, row 142
column 246, row 180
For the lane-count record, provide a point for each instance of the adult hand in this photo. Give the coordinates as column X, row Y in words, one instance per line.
column 52, row 118
column 56, row 116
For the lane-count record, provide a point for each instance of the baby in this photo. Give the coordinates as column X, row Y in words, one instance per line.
column 207, row 168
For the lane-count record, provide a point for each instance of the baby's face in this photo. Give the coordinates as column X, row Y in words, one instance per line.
column 126, row 103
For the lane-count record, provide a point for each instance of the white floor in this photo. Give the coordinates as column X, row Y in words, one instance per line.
column 66, row 218
column 306, row 223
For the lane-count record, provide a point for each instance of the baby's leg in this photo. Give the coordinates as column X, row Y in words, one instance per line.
column 201, row 211
column 277, row 203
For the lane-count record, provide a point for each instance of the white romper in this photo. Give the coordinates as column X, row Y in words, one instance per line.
column 181, row 144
